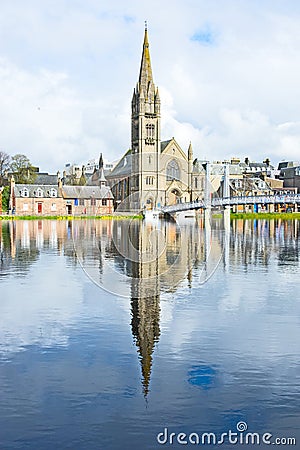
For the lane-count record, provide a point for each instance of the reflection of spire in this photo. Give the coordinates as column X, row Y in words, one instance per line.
column 145, row 329
column 145, row 291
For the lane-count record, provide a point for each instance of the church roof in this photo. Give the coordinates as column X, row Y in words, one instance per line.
column 164, row 144
column 123, row 168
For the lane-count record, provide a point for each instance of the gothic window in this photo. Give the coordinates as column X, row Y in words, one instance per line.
column 150, row 159
column 196, row 182
column 150, row 131
column 173, row 171
column 150, row 180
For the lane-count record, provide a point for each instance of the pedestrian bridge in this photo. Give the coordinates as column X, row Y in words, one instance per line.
column 293, row 199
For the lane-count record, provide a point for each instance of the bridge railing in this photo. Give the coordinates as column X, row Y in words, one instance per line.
column 240, row 200
column 183, row 206
column 259, row 199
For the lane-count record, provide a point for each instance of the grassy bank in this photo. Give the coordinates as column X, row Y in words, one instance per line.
column 105, row 217
column 283, row 216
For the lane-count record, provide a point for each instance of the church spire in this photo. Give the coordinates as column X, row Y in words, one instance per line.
column 146, row 78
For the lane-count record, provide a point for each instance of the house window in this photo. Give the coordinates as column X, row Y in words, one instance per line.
column 53, row 207
column 104, row 202
column 173, row 171
column 53, row 192
column 25, row 192
column 81, row 201
column 25, row 206
column 93, row 202
column 39, row 192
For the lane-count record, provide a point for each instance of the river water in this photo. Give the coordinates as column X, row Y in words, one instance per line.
column 116, row 334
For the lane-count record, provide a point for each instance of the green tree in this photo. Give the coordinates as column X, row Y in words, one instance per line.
column 5, row 198
column 24, row 172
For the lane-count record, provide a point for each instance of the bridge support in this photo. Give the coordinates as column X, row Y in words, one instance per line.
column 207, row 191
column 226, row 217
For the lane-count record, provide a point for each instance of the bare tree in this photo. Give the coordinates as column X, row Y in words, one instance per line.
column 4, row 166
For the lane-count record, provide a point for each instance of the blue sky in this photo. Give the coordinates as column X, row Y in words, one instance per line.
column 228, row 74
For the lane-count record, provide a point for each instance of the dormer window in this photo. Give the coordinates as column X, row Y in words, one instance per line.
column 53, row 192
column 25, row 192
column 39, row 192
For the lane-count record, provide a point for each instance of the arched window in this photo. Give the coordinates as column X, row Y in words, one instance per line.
column 39, row 192
column 173, row 171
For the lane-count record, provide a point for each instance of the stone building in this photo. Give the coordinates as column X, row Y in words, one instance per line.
column 49, row 200
column 153, row 173
column 291, row 177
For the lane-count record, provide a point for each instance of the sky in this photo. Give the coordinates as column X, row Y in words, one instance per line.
column 228, row 72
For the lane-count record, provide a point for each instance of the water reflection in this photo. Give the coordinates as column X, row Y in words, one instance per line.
column 230, row 344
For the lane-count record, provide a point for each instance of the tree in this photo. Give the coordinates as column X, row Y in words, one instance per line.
column 4, row 166
column 24, row 172
column 5, row 198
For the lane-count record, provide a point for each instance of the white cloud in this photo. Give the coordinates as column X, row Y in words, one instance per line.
column 68, row 70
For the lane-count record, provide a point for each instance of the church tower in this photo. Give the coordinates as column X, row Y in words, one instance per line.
column 145, row 136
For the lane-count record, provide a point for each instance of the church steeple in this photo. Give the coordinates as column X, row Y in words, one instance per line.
column 146, row 79
column 145, row 136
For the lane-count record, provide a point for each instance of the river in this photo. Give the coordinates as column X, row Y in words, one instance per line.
column 119, row 334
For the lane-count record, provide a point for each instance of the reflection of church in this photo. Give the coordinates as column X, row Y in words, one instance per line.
column 153, row 173
column 156, row 260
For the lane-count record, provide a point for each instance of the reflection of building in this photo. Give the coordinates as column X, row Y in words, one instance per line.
column 155, row 259
column 153, row 173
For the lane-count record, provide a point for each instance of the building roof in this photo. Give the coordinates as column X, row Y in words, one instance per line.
column 86, row 192
column 33, row 188
column 123, row 168
column 164, row 144
column 46, row 179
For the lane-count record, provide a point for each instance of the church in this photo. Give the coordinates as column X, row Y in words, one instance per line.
column 153, row 173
